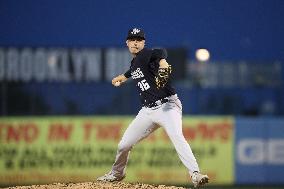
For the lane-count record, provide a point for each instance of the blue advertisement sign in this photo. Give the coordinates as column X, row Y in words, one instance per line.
column 259, row 151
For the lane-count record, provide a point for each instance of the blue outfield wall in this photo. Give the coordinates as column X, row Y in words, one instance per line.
column 259, row 151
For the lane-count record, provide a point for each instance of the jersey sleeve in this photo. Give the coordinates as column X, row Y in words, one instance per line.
column 127, row 74
column 158, row 54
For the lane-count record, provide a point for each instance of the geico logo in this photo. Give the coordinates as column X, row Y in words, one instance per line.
column 259, row 151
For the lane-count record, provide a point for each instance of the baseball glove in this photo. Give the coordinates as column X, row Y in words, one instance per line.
column 163, row 76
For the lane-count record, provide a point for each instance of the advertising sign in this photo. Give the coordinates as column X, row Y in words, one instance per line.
column 36, row 150
column 259, row 151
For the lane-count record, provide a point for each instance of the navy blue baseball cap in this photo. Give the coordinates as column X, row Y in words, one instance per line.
column 136, row 33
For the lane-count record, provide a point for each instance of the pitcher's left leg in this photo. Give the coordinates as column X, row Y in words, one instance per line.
column 170, row 118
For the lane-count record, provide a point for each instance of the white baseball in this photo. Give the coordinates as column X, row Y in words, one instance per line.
column 117, row 83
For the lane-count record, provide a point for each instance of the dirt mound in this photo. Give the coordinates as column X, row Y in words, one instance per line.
column 97, row 185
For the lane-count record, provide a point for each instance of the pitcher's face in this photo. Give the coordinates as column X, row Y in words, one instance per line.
column 135, row 45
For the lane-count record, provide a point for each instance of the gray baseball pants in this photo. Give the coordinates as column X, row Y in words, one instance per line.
column 167, row 116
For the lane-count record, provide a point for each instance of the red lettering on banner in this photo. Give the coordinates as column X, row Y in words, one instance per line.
column 208, row 131
column 60, row 132
column 108, row 131
column 30, row 132
column 103, row 131
column 27, row 132
column 225, row 131
column 88, row 127
column 13, row 133
column 189, row 133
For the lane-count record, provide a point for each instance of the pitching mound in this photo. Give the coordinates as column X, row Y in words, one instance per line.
column 97, row 185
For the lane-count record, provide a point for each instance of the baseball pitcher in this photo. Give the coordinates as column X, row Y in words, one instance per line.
column 161, row 107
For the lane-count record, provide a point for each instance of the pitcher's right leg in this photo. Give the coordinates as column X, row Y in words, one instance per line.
column 138, row 129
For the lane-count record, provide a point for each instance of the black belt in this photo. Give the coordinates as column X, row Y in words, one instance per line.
column 157, row 103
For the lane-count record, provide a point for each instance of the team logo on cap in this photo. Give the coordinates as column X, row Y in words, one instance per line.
column 135, row 31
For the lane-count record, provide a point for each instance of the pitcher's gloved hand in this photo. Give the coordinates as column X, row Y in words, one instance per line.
column 163, row 76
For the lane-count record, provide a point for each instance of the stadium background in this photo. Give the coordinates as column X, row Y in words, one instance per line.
column 61, row 119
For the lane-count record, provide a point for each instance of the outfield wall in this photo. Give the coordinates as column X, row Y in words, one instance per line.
column 76, row 149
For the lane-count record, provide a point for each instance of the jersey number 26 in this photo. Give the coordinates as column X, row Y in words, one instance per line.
column 143, row 85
